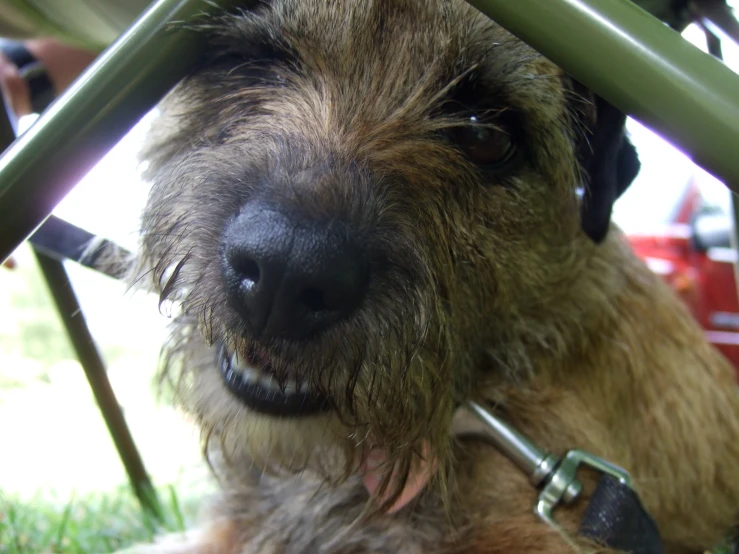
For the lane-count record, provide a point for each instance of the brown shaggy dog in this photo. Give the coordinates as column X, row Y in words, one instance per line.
column 368, row 212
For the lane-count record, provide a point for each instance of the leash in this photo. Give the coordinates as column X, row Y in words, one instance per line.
column 614, row 517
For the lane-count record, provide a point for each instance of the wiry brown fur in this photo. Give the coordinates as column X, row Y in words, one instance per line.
column 483, row 287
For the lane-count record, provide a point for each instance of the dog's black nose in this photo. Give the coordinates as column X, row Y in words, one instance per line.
column 291, row 278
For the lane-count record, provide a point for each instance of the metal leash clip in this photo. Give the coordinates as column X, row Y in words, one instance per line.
column 555, row 476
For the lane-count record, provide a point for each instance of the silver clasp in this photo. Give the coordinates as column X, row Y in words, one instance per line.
column 555, row 476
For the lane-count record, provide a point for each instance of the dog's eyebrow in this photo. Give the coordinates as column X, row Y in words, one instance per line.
column 257, row 51
column 472, row 93
column 246, row 43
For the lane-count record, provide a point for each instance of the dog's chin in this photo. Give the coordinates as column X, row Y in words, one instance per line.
column 246, row 434
column 254, row 382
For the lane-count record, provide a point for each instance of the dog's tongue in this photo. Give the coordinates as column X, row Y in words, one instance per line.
column 373, row 472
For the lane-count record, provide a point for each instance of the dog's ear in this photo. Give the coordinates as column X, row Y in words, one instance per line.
column 609, row 161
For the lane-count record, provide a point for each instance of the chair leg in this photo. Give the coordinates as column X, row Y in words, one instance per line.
column 69, row 309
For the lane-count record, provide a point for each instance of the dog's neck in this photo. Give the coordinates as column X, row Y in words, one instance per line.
column 371, row 466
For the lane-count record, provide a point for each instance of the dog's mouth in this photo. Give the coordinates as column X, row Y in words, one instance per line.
column 254, row 382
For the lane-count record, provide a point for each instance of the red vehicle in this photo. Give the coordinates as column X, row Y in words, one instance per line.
column 686, row 240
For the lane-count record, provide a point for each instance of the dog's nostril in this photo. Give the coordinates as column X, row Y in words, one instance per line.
column 317, row 300
column 247, row 268
column 312, row 299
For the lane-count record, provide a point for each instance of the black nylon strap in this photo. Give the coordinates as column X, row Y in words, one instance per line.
column 616, row 518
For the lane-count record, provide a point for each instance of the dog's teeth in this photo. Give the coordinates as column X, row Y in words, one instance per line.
column 236, row 364
column 249, row 375
column 239, row 369
column 269, row 383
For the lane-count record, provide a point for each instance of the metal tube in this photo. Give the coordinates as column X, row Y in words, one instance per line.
column 717, row 18
column 640, row 66
column 129, row 78
column 60, row 240
column 524, row 453
column 94, row 367
column 713, row 42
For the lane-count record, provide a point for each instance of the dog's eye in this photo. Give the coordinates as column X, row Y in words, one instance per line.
column 485, row 145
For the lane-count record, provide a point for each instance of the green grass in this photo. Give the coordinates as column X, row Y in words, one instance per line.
column 96, row 523
column 92, row 524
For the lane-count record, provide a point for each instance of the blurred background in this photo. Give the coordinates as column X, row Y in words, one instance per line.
column 57, row 461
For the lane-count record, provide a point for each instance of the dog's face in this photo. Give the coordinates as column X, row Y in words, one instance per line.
column 368, row 210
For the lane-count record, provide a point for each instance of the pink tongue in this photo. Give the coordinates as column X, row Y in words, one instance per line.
column 420, row 474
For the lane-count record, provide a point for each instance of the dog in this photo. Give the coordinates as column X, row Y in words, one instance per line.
column 371, row 212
